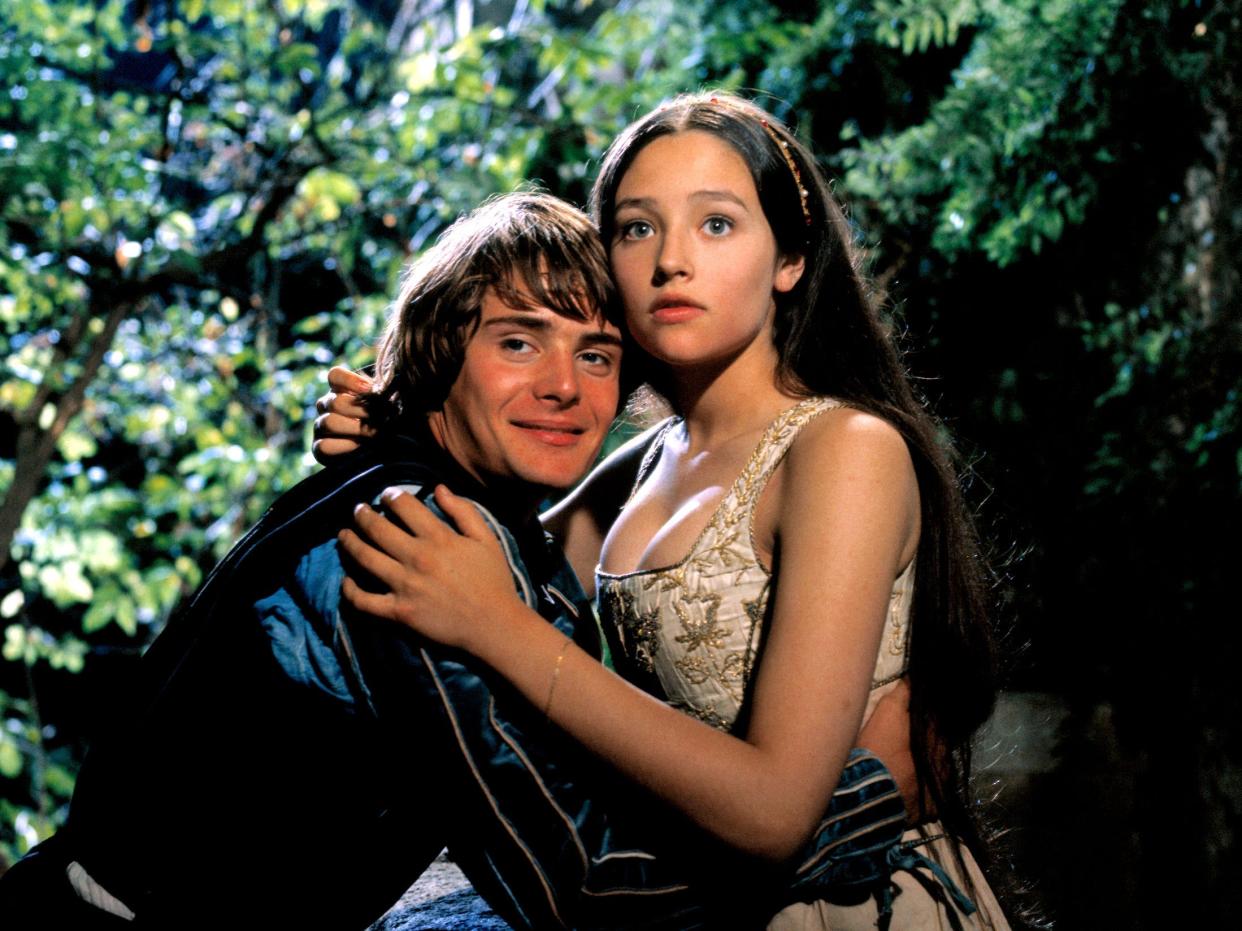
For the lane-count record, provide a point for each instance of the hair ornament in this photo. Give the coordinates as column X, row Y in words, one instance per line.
column 783, row 147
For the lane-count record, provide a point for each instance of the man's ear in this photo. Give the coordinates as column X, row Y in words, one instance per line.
column 789, row 269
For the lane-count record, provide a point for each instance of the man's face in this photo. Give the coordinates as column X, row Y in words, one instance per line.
column 534, row 398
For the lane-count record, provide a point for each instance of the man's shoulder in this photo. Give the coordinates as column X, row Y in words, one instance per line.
column 324, row 502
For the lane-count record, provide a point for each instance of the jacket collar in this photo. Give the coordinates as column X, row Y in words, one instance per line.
column 412, row 439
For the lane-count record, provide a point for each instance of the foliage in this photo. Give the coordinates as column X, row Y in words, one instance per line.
column 205, row 202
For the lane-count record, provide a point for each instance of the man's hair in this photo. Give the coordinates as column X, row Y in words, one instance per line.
column 531, row 249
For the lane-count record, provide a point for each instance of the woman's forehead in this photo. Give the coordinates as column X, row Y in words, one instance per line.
column 692, row 162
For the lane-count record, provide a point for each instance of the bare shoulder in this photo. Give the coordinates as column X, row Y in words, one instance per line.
column 844, row 441
column 849, row 478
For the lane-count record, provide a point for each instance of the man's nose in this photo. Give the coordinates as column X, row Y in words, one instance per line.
column 673, row 259
column 558, row 378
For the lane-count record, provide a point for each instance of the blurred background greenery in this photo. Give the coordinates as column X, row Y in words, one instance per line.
column 203, row 203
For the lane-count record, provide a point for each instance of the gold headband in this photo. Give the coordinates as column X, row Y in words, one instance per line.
column 783, row 146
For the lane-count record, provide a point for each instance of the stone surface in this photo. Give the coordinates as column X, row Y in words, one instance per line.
column 441, row 900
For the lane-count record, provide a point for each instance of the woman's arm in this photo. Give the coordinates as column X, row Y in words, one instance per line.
column 342, row 422
column 847, row 520
column 581, row 519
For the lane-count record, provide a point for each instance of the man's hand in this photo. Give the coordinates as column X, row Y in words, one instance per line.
column 887, row 735
column 342, row 424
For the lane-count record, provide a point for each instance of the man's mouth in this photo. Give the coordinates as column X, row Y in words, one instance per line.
column 551, row 432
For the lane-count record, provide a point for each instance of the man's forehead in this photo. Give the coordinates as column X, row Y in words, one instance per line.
column 516, row 302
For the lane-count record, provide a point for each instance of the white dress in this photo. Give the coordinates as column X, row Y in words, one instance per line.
column 691, row 633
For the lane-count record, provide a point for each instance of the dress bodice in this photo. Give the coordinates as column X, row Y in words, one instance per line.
column 693, row 630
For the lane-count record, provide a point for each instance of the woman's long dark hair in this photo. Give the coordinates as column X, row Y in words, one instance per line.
column 832, row 341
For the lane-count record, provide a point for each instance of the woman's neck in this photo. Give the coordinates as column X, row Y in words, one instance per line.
column 721, row 402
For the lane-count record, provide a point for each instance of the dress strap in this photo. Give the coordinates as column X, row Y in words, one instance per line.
column 652, row 455
column 774, row 445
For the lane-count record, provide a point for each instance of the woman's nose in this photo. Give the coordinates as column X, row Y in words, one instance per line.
column 673, row 259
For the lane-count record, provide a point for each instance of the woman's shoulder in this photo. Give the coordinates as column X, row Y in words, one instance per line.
column 850, row 470
column 835, row 425
column 843, row 441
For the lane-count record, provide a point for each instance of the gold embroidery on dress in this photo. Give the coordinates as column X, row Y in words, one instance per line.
column 699, row 633
column 897, row 635
column 639, row 631
column 697, row 624
column 694, row 668
column 736, row 668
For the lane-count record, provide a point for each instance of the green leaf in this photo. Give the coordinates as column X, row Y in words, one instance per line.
column 126, row 617
column 12, row 603
column 98, row 615
column 10, row 758
column 75, row 445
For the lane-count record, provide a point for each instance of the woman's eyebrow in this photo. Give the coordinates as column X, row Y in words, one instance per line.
column 718, row 195
column 638, row 202
column 649, row 203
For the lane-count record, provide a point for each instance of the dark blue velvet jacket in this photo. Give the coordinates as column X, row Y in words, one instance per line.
column 282, row 759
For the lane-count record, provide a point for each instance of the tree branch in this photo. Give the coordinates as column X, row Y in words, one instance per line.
column 36, row 445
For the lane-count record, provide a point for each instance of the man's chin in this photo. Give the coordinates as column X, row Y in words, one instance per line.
column 541, row 482
column 556, row 483
column 558, row 470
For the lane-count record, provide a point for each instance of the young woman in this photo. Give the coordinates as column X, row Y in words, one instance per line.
column 793, row 544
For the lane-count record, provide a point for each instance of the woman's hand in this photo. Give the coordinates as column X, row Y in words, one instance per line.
column 342, row 424
column 887, row 735
column 442, row 583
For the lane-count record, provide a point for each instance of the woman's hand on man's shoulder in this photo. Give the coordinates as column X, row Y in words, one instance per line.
column 341, row 426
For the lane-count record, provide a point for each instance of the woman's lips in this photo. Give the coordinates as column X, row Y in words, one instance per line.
column 675, row 309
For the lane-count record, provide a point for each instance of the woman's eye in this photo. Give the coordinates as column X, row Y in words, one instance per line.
column 635, row 229
column 717, row 226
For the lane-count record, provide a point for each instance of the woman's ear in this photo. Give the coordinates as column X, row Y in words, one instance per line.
column 789, row 269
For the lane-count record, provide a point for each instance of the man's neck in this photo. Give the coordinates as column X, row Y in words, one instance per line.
column 519, row 500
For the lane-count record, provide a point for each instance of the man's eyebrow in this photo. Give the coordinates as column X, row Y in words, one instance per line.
column 529, row 321
column 602, row 338
column 542, row 323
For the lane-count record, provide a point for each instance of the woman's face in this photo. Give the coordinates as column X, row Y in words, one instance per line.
column 694, row 258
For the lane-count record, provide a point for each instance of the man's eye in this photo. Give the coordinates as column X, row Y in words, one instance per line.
column 717, row 226
column 515, row 345
column 635, row 229
column 597, row 359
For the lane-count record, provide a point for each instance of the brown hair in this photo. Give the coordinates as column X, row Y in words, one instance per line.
column 532, row 249
column 832, row 341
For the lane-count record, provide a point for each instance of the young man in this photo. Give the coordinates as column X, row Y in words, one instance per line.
column 285, row 760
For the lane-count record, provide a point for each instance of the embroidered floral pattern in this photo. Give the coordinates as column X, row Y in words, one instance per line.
column 639, row 630
column 697, row 624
